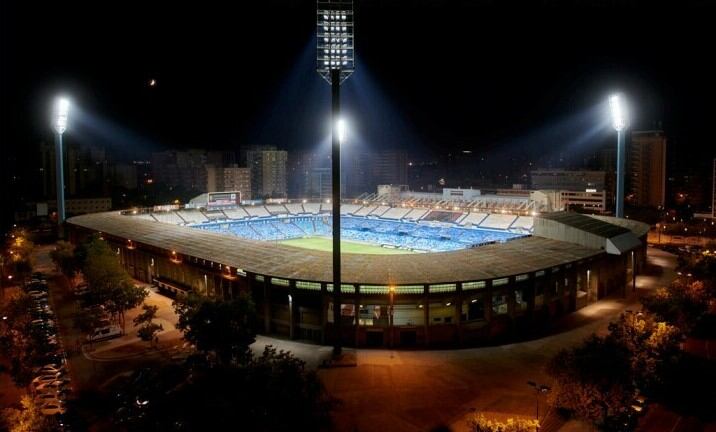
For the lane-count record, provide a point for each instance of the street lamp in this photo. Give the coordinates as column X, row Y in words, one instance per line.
column 59, row 123
column 539, row 389
column 619, row 122
column 335, row 63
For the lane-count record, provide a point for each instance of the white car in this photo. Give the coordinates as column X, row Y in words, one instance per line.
column 44, row 398
column 43, row 379
column 53, row 386
column 37, row 294
column 102, row 333
column 49, row 369
column 52, row 408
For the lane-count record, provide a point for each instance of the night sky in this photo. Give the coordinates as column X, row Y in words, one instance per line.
column 431, row 76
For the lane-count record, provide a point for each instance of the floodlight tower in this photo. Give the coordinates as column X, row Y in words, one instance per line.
column 619, row 121
column 59, row 123
column 335, row 63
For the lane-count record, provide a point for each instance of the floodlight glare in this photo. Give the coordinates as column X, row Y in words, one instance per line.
column 616, row 104
column 341, row 127
column 62, row 107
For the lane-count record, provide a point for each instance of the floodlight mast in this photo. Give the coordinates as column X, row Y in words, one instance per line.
column 59, row 124
column 335, row 63
column 619, row 121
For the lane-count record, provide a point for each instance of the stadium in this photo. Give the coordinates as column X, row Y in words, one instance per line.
column 415, row 273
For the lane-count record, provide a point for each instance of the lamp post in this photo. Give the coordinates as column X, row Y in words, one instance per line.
column 335, row 63
column 619, row 122
column 59, row 123
column 539, row 389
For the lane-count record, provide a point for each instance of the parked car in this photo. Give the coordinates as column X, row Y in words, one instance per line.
column 53, row 386
column 37, row 294
column 43, row 379
column 81, row 289
column 52, row 408
column 50, row 368
column 103, row 333
column 44, row 398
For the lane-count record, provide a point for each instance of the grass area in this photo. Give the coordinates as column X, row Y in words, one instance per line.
column 326, row 244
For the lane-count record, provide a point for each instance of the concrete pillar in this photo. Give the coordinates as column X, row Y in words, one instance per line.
column 458, row 312
column 324, row 312
column 571, row 276
column 356, row 324
column 487, row 301
column 293, row 312
column 267, row 305
column 426, row 313
column 511, row 300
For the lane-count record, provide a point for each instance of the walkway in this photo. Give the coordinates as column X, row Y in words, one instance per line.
column 419, row 390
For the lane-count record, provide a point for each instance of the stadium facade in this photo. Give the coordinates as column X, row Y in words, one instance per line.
column 516, row 285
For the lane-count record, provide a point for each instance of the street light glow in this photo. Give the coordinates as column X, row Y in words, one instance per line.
column 341, row 128
column 616, row 105
column 62, row 107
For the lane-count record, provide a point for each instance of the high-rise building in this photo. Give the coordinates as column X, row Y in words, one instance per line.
column 185, row 169
column 319, row 183
column 268, row 172
column 238, row 179
column 389, row 167
column 581, row 180
column 646, row 168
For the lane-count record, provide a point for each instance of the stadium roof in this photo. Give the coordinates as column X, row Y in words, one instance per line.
column 586, row 223
column 518, row 256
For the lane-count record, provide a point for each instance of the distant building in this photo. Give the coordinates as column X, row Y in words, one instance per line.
column 231, row 178
column 713, row 192
column 78, row 206
column 238, row 179
column 646, row 168
column 365, row 171
column 319, row 183
column 556, row 200
column 268, row 172
column 581, row 180
column 184, row 169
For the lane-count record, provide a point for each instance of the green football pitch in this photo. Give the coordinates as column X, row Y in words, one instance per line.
column 326, row 244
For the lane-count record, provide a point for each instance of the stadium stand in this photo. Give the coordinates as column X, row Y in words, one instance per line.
column 326, row 207
column 295, row 209
column 365, row 211
column 473, row 219
column 276, row 209
column 396, row 213
column 236, row 213
column 313, row 208
column 379, row 211
column 442, row 216
column 498, row 221
column 215, row 215
column 192, row 216
column 349, row 209
column 416, row 214
column 523, row 223
column 257, row 211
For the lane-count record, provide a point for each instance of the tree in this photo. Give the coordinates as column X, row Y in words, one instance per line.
column 65, row 258
column 109, row 284
column 479, row 423
column 223, row 329
column 653, row 347
column 23, row 347
column 683, row 304
column 593, row 381
column 271, row 392
column 26, row 419
column 149, row 328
